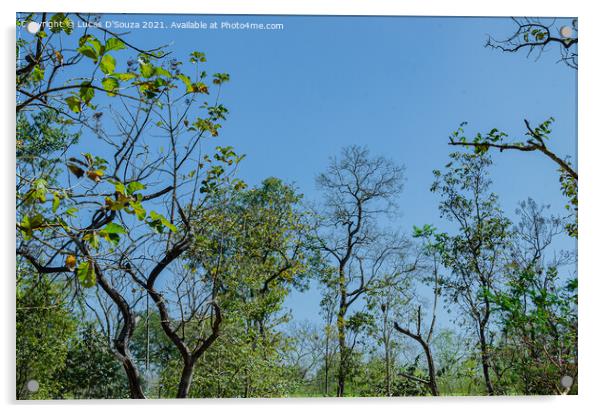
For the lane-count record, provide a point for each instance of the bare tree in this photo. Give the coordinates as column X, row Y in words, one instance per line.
column 358, row 191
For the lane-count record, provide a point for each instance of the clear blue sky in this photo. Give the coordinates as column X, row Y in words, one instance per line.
column 398, row 85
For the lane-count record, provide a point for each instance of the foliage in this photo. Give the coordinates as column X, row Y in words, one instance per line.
column 474, row 254
column 45, row 327
column 91, row 371
column 147, row 268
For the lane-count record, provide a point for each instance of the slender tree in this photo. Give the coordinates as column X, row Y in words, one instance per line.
column 474, row 254
column 358, row 191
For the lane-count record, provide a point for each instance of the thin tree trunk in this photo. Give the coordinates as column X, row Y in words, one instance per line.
column 133, row 379
column 122, row 341
column 432, row 370
column 485, row 360
column 341, row 332
column 326, row 364
column 387, row 355
column 342, row 354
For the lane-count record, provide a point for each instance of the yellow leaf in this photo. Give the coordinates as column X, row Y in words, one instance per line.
column 70, row 262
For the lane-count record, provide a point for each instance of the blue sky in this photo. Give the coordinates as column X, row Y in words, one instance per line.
column 398, row 85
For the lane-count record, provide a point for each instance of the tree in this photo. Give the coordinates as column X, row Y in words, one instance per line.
column 328, row 310
column 305, row 354
column 389, row 300
column 358, row 191
column 536, row 142
column 474, row 254
column 426, row 347
column 538, row 306
column 94, row 224
column 431, row 248
column 249, row 251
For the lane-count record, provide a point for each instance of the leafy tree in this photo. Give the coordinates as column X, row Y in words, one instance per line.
column 239, row 364
column 328, row 310
column 539, row 307
column 90, row 223
column 474, row 254
column 248, row 252
column 534, row 35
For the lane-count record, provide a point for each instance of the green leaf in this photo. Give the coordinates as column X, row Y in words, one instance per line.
column 111, row 232
column 74, row 103
column 158, row 222
column 124, row 77
column 110, row 84
column 92, row 238
column 60, row 22
column 37, row 74
column 71, row 211
column 88, row 51
column 139, row 211
column 147, row 70
column 187, row 82
column 197, row 57
column 86, row 93
column 56, row 201
column 220, row 78
column 30, row 224
column 135, row 186
column 114, row 44
column 56, row 21
column 107, row 64
column 159, row 71
column 90, row 40
column 86, row 274
column 113, row 228
column 38, row 191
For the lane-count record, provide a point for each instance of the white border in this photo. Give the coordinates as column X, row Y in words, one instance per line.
column 590, row 156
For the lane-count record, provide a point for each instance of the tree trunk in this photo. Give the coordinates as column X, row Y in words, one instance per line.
column 485, row 360
column 133, row 379
column 342, row 352
column 387, row 356
column 122, row 341
column 432, row 370
column 326, row 364
column 185, row 379
column 341, row 331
